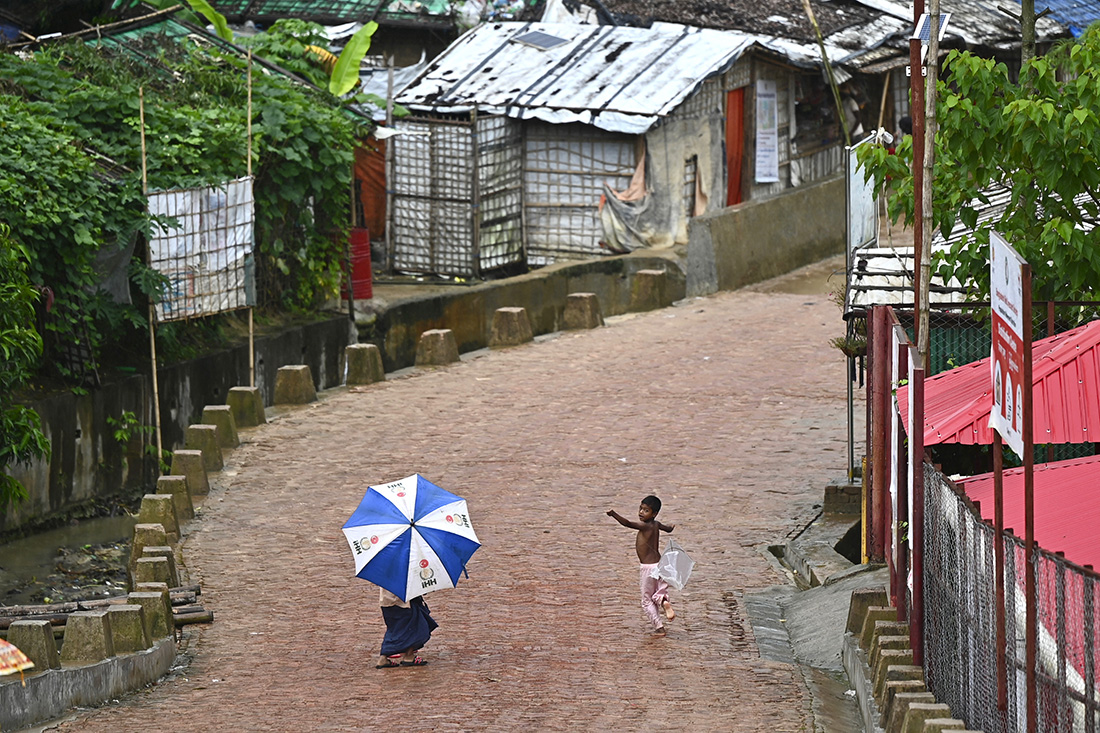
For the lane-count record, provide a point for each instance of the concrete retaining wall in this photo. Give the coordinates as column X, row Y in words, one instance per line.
column 761, row 239
column 395, row 326
column 54, row 692
column 89, row 464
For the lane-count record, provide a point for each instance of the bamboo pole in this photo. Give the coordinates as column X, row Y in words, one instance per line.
column 251, row 308
column 828, row 72
column 389, row 172
column 152, row 304
column 475, row 220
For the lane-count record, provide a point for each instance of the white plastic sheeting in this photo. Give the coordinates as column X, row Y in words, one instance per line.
column 619, row 79
column 202, row 242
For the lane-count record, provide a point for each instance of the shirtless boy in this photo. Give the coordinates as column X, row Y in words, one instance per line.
column 654, row 590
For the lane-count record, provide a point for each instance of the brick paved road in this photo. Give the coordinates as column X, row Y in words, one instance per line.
column 730, row 408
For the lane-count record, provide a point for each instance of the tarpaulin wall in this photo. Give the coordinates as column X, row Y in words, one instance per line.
column 202, row 242
column 457, row 199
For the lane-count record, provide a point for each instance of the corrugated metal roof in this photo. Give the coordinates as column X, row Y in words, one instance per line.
column 331, row 11
column 976, row 22
column 1077, row 15
column 617, row 78
column 884, row 276
column 1067, row 505
column 1065, row 394
column 320, row 11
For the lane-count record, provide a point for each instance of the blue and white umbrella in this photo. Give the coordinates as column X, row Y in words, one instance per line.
column 411, row 537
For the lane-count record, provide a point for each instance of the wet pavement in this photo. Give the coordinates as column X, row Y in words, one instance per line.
column 731, row 408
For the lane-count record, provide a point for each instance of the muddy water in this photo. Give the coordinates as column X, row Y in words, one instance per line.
column 29, row 567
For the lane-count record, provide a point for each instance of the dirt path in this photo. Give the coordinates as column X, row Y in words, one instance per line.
column 730, row 408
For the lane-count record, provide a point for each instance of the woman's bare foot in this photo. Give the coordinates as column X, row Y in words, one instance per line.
column 669, row 613
column 660, row 631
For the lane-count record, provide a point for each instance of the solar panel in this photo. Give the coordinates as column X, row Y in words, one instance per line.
column 540, row 40
column 924, row 27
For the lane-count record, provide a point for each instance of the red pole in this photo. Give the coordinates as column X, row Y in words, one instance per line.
column 1029, row 510
column 999, row 566
column 916, row 532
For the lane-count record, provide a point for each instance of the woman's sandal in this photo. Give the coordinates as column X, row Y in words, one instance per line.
column 416, row 662
column 390, row 664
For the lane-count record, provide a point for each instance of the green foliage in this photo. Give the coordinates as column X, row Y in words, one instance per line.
column 216, row 19
column 346, row 73
column 70, row 171
column 1039, row 139
column 21, row 438
column 286, row 43
column 126, row 427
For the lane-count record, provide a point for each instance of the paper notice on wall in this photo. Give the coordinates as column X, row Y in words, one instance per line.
column 767, row 132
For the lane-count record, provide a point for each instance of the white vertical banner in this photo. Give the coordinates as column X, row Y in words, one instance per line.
column 1006, row 361
column 915, row 423
column 897, row 340
column 767, row 132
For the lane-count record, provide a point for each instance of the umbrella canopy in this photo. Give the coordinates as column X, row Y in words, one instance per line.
column 12, row 660
column 411, row 537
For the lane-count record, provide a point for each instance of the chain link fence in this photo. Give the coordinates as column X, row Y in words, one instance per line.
column 961, row 653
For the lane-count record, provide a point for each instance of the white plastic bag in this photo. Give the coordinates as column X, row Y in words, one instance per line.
column 675, row 565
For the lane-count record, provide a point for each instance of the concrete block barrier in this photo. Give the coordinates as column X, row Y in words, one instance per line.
column 582, row 311
column 177, row 488
column 882, row 643
column 861, row 600
column 87, row 638
column 875, row 614
column 168, row 554
column 145, row 535
column 153, row 570
column 35, row 639
column 294, row 385
column 939, row 725
column 364, row 364
column 158, row 612
column 437, row 347
column 886, row 659
column 190, row 463
column 129, row 632
column 649, row 290
column 162, row 590
column 511, row 327
column 896, row 686
column 247, row 406
column 160, row 509
column 204, row 438
column 895, row 715
column 919, row 712
column 221, row 416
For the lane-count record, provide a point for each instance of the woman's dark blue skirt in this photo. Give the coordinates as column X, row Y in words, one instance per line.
column 407, row 628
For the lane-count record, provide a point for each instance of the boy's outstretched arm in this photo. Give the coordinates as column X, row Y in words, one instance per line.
column 665, row 527
column 623, row 520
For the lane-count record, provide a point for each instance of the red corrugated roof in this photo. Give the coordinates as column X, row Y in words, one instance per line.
column 1066, row 394
column 1067, row 505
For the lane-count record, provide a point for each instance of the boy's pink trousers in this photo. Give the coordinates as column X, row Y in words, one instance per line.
column 654, row 593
